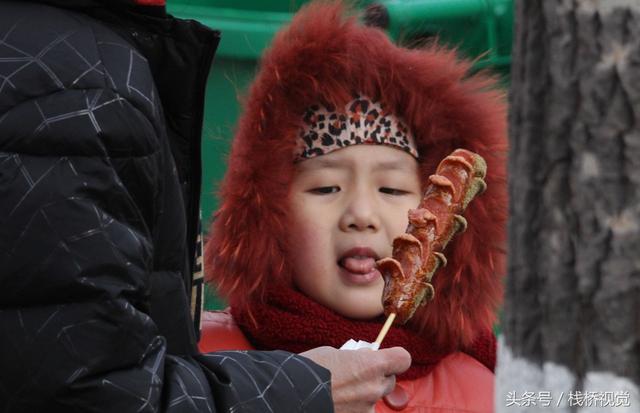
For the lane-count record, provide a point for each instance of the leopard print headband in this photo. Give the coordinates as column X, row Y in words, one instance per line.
column 363, row 121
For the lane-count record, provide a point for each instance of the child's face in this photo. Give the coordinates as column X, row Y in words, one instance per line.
column 347, row 208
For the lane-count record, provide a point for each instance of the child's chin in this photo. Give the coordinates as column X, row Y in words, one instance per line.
column 358, row 311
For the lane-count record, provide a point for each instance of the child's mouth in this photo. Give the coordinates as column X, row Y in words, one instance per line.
column 358, row 264
column 358, row 269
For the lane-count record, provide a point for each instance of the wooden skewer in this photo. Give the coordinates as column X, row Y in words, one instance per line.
column 385, row 328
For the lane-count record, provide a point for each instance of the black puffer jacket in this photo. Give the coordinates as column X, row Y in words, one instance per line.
column 100, row 122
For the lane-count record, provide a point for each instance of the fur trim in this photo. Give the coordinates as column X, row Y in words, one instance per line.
column 326, row 57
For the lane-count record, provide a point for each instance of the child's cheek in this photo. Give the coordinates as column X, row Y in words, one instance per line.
column 312, row 245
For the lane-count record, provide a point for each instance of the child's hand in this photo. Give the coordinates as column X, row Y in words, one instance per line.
column 360, row 378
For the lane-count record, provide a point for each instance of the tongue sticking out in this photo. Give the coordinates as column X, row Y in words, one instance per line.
column 359, row 265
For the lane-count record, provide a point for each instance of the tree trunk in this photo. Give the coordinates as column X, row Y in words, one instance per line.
column 571, row 320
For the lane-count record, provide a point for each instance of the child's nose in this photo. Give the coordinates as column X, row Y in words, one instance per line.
column 360, row 214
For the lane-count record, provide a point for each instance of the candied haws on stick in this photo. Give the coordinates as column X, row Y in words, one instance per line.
column 418, row 253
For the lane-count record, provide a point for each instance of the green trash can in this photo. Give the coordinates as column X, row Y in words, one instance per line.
column 480, row 29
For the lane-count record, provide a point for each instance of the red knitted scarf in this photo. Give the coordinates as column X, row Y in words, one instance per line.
column 290, row 321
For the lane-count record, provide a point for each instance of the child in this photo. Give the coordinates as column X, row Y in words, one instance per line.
column 340, row 132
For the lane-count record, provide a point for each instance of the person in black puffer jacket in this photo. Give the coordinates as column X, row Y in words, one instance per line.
column 101, row 107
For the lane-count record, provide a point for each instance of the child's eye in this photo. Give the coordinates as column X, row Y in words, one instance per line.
column 322, row 190
column 393, row 191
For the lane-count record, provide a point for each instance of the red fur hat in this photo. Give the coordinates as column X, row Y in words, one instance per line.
column 325, row 56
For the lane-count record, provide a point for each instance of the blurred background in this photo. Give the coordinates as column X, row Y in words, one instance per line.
column 479, row 29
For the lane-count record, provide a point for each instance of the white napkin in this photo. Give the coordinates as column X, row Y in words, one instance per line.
column 356, row 345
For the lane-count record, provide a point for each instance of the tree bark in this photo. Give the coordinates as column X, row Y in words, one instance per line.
column 572, row 308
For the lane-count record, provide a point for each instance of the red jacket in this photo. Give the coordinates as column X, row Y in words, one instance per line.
column 458, row 384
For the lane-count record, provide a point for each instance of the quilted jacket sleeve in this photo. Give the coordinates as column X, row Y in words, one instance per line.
column 76, row 239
